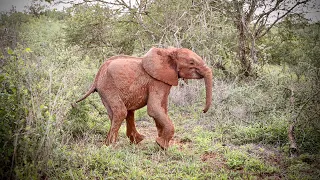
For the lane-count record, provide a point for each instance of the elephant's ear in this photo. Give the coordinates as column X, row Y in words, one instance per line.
column 160, row 65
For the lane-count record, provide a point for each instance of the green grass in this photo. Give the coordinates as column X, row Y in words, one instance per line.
column 51, row 63
column 193, row 157
column 243, row 136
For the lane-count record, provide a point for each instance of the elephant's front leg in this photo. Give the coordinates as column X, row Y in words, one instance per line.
column 132, row 132
column 157, row 108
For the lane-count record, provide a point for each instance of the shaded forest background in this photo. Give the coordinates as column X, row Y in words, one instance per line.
column 265, row 117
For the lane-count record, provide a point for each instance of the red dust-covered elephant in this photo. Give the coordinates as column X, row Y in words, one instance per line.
column 127, row 83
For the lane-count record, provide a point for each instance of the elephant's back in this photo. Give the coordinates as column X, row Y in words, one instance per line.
column 131, row 81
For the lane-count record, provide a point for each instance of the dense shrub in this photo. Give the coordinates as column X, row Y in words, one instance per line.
column 52, row 61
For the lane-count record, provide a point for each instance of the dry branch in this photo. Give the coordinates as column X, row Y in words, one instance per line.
column 294, row 151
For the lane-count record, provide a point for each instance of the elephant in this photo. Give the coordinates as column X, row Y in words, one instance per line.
column 126, row 83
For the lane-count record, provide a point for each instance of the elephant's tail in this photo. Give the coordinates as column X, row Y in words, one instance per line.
column 93, row 86
column 91, row 90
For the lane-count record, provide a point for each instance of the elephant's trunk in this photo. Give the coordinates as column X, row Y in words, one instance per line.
column 207, row 74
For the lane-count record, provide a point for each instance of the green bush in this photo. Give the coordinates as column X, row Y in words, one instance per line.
column 52, row 61
column 77, row 120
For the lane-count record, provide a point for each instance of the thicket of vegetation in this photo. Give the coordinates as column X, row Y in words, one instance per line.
column 264, row 119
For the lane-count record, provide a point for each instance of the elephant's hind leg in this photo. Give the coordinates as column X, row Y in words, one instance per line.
column 132, row 132
column 117, row 112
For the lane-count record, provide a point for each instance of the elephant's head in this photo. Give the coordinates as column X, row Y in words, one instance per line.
column 167, row 65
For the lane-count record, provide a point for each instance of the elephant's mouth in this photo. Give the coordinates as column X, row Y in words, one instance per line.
column 199, row 74
column 193, row 75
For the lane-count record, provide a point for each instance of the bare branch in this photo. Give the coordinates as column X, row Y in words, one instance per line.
column 266, row 14
column 291, row 134
column 251, row 10
column 280, row 17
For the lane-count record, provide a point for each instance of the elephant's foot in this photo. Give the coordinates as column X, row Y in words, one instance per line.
column 163, row 143
column 136, row 138
column 110, row 139
column 107, row 142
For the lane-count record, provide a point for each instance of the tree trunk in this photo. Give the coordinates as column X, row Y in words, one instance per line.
column 241, row 24
column 292, row 140
column 253, row 50
column 293, row 149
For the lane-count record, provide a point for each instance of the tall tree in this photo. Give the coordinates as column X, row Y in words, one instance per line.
column 253, row 20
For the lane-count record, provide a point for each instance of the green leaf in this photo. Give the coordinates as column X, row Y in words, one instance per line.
column 28, row 50
column 10, row 51
column 42, row 106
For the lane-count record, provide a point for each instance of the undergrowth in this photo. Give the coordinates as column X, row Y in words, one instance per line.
column 242, row 136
